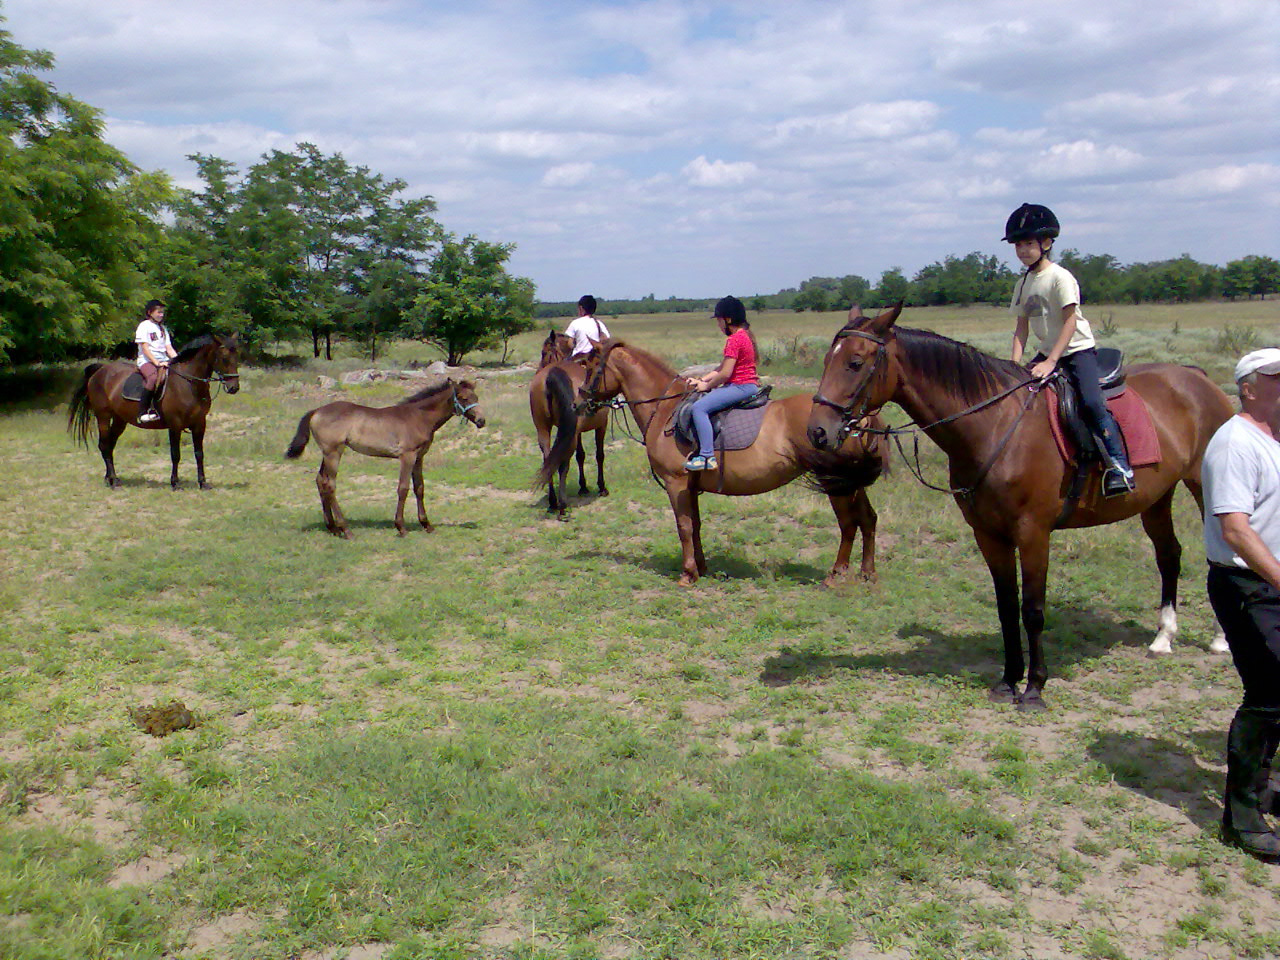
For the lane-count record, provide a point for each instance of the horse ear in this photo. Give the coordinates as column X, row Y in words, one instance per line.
column 884, row 321
column 855, row 312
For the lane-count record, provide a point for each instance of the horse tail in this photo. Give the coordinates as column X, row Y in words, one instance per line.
column 560, row 405
column 299, row 442
column 78, row 412
column 843, row 473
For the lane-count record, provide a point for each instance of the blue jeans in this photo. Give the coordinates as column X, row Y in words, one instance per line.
column 714, row 401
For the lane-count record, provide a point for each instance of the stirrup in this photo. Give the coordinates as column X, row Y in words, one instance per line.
column 1117, row 481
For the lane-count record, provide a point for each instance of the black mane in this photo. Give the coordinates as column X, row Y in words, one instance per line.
column 189, row 350
column 965, row 371
column 427, row 393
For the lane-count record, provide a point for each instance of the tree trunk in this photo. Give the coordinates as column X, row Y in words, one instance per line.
column 315, row 342
column 328, row 345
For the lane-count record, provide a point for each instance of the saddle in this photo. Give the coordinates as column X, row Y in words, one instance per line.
column 736, row 427
column 1071, row 424
column 134, row 385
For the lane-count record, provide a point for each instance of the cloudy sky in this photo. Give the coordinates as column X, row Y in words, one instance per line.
column 697, row 148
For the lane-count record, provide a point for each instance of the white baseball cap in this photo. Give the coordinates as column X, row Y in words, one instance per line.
column 1266, row 361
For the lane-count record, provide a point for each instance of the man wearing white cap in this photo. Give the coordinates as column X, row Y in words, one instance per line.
column 1241, row 476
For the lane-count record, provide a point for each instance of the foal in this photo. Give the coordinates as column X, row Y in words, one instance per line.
column 403, row 431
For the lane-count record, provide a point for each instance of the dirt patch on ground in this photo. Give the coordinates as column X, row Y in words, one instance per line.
column 106, row 818
column 146, row 870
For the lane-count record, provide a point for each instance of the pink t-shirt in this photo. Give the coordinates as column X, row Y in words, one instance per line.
column 740, row 347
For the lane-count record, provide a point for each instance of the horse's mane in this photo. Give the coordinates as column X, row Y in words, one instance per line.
column 428, row 392
column 189, row 350
column 608, row 346
column 964, row 371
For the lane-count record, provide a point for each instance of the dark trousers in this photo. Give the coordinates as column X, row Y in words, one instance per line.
column 1248, row 608
column 1081, row 369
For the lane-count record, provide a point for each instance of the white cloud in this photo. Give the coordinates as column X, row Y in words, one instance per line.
column 719, row 173
column 859, row 136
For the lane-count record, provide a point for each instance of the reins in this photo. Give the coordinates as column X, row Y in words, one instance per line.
column 855, row 412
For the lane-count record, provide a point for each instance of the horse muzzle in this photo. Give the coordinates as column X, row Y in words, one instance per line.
column 231, row 385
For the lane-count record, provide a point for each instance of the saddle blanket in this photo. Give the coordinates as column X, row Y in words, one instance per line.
column 1133, row 418
column 736, row 428
column 134, row 385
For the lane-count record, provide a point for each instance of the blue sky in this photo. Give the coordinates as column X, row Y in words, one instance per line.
column 703, row 148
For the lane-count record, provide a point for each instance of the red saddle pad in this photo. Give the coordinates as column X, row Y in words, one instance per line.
column 1134, row 419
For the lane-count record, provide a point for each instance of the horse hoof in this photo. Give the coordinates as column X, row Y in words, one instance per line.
column 563, row 516
column 1003, row 693
column 428, row 528
column 584, row 492
column 205, row 486
column 604, row 491
column 1032, row 704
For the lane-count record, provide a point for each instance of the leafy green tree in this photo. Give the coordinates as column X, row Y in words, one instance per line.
column 468, row 300
column 893, row 286
column 76, row 218
column 1266, row 275
column 1237, row 279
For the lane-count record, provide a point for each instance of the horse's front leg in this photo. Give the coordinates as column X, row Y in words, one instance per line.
column 604, row 491
column 855, row 515
column 175, row 457
column 684, row 504
column 1034, row 557
column 1002, row 562
column 419, row 490
column 402, row 490
column 197, row 445
column 581, row 454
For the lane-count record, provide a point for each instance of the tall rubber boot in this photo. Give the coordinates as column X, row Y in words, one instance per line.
column 146, row 412
column 1117, row 480
column 1269, row 794
column 1243, row 824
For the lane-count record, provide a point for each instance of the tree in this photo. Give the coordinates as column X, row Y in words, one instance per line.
column 468, row 299
column 76, row 218
column 893, row 286
column 1237, row 279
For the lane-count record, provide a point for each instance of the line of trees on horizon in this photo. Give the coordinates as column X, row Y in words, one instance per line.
column 300, row 245
column 978, row 278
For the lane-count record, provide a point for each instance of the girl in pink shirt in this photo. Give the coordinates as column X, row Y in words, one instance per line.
column 732, row 382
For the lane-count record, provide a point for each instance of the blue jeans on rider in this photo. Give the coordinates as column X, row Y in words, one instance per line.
column 1081, row 368
column 713, row 401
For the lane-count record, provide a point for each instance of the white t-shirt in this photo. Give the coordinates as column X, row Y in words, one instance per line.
column 154, row 336
column 1040, row 297
column 1241, row 474
column 584, row 330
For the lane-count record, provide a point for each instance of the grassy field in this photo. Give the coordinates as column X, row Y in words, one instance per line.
column 518, row 738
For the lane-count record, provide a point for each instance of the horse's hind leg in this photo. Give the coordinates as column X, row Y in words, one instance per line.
column 402, row 490
column 604, row 491
column 109, row 430
column 1219, row 642
column 1157, row 521
column 419, row 491
column 327, row 484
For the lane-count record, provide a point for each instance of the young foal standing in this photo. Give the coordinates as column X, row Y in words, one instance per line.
column 403, row 431
column 1009, row 481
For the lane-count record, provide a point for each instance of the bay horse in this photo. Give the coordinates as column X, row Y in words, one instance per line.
column 552, row 406
column 781, row 453
column 403, row 431
column 1006, row 474
column 184, row 405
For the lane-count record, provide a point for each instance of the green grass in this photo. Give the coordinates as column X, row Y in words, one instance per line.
column 516, row 738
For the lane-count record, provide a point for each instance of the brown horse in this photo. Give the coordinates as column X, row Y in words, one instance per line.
column 1007, row 476
column 551, row 403
column 403, row 431
column 184, row 406
column 653, row 391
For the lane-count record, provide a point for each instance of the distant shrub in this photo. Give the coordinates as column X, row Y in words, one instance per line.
column 1234, row 341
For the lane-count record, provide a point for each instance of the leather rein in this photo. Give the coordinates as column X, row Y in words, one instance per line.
column 855, row 412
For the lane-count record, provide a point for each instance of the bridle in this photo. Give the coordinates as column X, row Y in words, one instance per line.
column 459, row 408
column 855, row 410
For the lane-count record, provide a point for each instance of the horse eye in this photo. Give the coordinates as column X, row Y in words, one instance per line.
column 855, row 363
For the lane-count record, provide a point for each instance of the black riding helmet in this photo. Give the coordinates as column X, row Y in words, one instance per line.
column 1030, row 220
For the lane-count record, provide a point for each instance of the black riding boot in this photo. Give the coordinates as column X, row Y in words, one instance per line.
column 144, row 402
column 1248, row 767
column 1269, row 794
